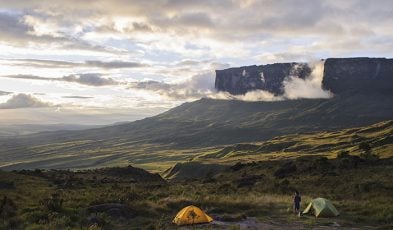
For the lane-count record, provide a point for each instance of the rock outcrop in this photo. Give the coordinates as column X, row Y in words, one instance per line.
column 340, row 75
column 348, row 75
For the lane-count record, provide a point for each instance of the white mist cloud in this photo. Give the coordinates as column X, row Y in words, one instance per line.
column 310, row 87
column 255, row 95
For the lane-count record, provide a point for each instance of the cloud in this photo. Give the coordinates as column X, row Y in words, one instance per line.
column 90, row 79
column 255, row 95
column 18, row 28
column 114, row 64
column 200, row 85
column 310, row 87
column 11, row 27
column 77, row 97
column 39, row 63
column 24, row 101
column 206, row 22
column 2, row 93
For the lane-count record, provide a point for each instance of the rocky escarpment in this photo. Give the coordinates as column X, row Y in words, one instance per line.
column 348, row 75
column 264, row 77
column 340, row 75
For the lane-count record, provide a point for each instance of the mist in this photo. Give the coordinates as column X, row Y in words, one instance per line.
column 310, row 87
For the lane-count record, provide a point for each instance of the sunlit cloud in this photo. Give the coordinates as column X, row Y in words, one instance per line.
column 23, row 101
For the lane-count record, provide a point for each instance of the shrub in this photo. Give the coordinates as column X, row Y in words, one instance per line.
column 343, row 154
column 367, row 154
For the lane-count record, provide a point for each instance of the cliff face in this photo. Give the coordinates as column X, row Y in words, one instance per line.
column 346, row 75
column 341, row 75
column 265, row 77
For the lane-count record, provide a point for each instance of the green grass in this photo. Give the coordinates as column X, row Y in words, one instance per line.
column 362, row 194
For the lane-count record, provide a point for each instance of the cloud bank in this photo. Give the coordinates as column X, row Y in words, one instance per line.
column 89, row 79
column 24, row 101
column 39, row 63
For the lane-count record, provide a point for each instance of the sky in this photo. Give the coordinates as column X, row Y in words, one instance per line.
column 106, row 61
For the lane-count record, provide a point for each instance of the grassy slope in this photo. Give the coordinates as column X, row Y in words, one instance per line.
column 225, row 188
column 362, row 194
column 379, row 136
column 181, row 132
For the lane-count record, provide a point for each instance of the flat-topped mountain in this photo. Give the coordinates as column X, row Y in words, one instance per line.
column 340, row 75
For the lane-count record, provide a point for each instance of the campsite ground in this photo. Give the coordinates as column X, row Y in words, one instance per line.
column 255, row 195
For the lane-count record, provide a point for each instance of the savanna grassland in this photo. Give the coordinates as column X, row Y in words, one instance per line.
column 202, row 126
column 243, row 185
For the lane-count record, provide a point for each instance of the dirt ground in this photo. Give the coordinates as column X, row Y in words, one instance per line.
column 253, row 223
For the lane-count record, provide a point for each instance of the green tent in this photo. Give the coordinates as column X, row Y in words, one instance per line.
column 321, row 207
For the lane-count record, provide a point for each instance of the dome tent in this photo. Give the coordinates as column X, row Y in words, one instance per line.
column 321, row 207
column 191, row 215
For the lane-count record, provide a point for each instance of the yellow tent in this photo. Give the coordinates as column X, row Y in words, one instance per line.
column 191, row 215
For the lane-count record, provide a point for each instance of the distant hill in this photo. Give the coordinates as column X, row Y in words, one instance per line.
column 23, row 129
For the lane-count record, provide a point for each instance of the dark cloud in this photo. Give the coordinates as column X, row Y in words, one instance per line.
column 11, row 27
column 92, row 79
column 24, row 101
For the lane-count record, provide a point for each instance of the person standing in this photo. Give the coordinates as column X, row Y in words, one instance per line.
column 296, row 203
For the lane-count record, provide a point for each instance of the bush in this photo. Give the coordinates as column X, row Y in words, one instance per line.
column 343, row 154
column 367, row 154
